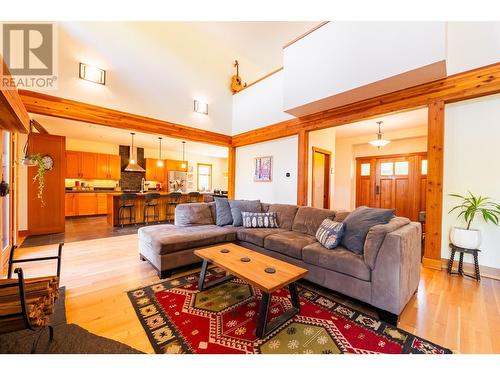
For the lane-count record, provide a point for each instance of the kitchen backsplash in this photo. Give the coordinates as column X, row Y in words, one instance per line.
column 131, row 180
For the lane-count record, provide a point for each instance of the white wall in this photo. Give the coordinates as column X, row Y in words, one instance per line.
column 472, row 45
column 342, row 56
column 472, row 133
column 324, row 139
column 282, row 189
column 259, row 105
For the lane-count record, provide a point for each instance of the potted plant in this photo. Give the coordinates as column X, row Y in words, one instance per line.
column 469, row 207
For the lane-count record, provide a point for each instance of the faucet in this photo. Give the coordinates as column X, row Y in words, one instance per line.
column 143, row 185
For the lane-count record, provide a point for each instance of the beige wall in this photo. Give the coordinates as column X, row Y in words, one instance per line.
column 348, row 149
column 324, row 139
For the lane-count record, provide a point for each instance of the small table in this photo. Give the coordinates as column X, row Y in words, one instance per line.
column 261, row 271
column 462, row 251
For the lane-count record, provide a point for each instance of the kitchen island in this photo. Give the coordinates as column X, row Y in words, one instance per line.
column 113, row 204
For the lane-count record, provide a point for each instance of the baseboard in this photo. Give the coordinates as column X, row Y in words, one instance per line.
column 22, row 234
column 485, row 271
column 435, row 264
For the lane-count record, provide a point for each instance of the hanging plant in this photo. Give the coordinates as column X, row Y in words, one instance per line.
column 40, row 174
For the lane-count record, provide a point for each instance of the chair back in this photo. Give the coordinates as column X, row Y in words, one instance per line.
column 127, row 199
column 174, row 198
column 151, row 198
column 193, row 196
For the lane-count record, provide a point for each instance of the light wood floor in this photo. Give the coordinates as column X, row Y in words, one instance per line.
column 457, row 313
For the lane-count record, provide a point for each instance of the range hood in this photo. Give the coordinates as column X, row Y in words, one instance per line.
column 133, row 165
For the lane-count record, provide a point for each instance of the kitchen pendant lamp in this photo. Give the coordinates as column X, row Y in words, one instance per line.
column 159, row 163
column 183, row 165
column 379, row 142
column 132, row 165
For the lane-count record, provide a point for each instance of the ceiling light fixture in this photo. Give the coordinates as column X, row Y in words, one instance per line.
column 92, row 74
column 183, row 165
column 379, row 142
column 200, row 107
column 159, row 163
column 132, row 165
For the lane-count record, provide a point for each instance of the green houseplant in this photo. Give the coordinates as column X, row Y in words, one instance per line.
column 470, row 207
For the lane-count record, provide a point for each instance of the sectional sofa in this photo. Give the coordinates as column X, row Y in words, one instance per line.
column 385, row 276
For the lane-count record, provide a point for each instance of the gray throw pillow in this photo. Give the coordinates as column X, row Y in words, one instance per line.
column 260, row 219
column 330, row 233
column 222, row 212
column 239, row 206
column 359, row 222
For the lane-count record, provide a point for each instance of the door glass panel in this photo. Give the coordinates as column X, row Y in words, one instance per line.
column 387, row 169
column 401, row 168
column 365, row 169
column 424, row 167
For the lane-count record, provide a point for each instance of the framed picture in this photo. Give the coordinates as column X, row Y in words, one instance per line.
column 263, row 169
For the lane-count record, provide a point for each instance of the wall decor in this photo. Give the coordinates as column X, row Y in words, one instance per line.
column 263, row 169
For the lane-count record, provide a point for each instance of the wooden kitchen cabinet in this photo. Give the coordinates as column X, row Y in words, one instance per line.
column 114, row 167
column 102, row 203
column 69, row 205
column 108, row 167
column 155, row 172
column 91, row 165
column 82, row 204
column 175, row 165
column 73, row 164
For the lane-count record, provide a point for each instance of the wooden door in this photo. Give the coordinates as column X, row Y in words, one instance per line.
column 47, row 216
column 88, row 165
column 102, row 166
column 73, row 164
column 114, row 167
column 321, row 178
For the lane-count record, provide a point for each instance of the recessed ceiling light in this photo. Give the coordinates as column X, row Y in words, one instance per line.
column 92, row 74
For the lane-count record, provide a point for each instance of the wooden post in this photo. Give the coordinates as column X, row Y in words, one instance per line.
column 303, row 156
column 231, row 170
column 434, row 199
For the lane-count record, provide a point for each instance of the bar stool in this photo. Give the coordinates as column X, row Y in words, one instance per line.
column 193, row 196
column 151, row 201
column 127, row 202
column 173, row 199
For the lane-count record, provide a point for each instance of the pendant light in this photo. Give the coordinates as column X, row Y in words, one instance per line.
column 132, row 165
column 379, row 142
column 183, row 165
column 159, row 163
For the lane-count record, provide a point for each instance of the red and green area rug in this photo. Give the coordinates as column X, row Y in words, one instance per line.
column 222, row 320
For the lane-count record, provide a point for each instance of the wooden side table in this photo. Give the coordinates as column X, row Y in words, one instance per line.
column 462, row 251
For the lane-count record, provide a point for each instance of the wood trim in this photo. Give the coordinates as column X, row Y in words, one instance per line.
column 392, row 156
column 260, row 79
column 434, row 196
column 306, row 34
column 22, row 233
column 321, row 151
column 39, row 127
column 326, row 187
column 302, row 168
column 49, row 105
column 462, row 86
column 231, row 169
column 434, row 264
column 13, row 114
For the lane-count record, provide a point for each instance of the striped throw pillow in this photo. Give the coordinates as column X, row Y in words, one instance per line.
column 260, row 219
column 329, row 233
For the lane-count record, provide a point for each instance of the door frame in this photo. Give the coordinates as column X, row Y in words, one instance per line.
column 328, row 162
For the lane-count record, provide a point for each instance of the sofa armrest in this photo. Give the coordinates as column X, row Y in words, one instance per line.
column 396, row 273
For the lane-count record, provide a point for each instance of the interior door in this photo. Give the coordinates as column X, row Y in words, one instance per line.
column 321, row 178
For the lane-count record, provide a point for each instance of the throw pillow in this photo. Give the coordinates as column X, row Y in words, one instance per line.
column 260, row 219
column 237, row 207
column 223, row 214
column 330, row 233
column 359, row 222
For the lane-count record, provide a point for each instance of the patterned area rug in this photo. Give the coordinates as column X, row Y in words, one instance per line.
column 179, row 319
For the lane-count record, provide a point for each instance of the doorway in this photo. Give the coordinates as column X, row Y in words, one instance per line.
column 393, row 181
column 321, row 160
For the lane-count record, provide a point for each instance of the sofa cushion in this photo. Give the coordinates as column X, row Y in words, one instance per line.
column 338, row 260
column 239, row 206
column 308, row 219
column 341, row 215
column 256, row 236
column 288, row 243
column 260, row 219
column 359, row 222
column 286, row 213
column 264, row 207
column 376, row 236
column 165, row 239
column 193, row 214
column 330, row 233
column 223, row 212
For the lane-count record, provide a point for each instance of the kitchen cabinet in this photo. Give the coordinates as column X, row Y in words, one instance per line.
column 91, row 165
column 72, row 164
column 108, row 167
column 155, row 172
column 176, row 165
column 69, row 205
column 81, row 204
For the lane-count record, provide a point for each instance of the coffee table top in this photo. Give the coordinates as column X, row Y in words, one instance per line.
column 252, row 271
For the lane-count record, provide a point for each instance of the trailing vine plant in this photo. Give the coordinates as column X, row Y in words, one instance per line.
column 40, row 175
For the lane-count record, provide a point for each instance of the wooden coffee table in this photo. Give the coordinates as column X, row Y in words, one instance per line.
column 261, row 271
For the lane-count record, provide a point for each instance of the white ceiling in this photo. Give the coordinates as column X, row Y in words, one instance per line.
column 105, row 134
column 397, row 121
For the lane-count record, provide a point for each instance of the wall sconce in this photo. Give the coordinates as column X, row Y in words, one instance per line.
column 92, row 74
column 200, row 107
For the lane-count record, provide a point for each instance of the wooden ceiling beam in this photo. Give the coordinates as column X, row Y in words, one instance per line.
column 49, row 105
column 13, row 114
column 462, row 86
column 39, row 127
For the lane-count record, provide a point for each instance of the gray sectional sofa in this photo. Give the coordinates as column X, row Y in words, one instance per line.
column 385, row 276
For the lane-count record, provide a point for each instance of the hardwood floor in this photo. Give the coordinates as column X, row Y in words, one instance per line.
column 455, row 312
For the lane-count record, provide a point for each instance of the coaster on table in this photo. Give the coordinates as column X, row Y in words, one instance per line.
column 224, row 251
column 269, row 270
column 245, row 260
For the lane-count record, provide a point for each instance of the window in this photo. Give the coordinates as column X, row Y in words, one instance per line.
column 365, row 169
column 204, row 177
column 401, row 168
column 387, row 169
column 424, row 167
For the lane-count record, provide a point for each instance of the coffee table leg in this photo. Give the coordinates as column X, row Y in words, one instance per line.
column 264, row 308
column 203, row 272
column 294, row 296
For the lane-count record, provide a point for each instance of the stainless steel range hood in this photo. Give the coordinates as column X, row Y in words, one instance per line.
column 133, row 165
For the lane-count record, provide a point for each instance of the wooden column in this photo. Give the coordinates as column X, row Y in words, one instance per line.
column 231, row 172
column 434, row 200
column 303, row 155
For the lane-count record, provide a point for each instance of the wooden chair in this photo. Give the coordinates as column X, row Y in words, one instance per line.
column 173, row 199
column 28, row 303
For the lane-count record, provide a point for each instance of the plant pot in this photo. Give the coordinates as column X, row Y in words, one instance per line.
column 465, row 238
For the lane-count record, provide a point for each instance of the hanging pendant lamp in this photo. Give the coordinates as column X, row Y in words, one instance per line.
column 379, row 142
